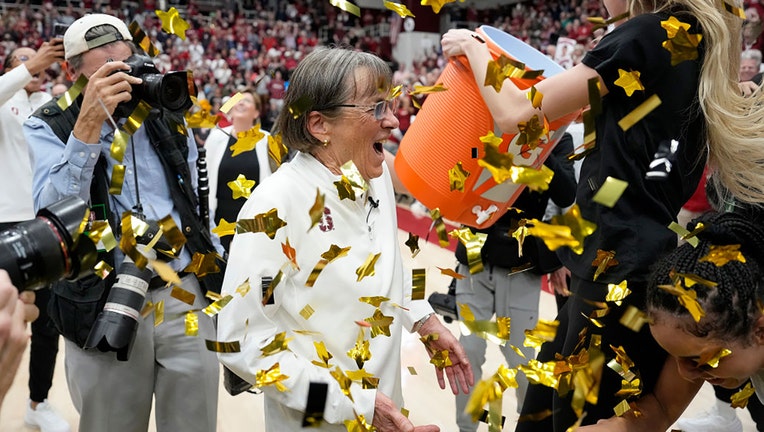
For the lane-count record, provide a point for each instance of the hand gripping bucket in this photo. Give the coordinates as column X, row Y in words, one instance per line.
column 449, row 127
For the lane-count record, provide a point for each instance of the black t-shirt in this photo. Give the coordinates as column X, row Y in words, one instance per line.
column 636, row 227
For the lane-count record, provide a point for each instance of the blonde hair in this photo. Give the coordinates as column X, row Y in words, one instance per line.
column 734, row 131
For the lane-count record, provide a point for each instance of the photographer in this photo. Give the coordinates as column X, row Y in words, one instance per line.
column 71, row 156
column 16, row 310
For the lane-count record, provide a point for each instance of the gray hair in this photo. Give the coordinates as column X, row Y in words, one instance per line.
column 76, row 61
column 326, row 78
column 751, row 54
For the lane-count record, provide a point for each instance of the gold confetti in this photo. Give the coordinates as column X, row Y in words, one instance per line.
column 633, row 318
column 173, row 235
column 127, row 242
column 554, row 236
column 398, row 8
column 203, row 264
column 496, row 162
column 192, row 323
column 738, row 12
column 307, row 312
column 141, row 39
column 623, row 361
column 420, row 89
column 317, row 210
column 246, row 140
column 158, row 313
column 230, row 103
column 100, row 231
column 147, row 309
column 183, row 295
column 374, row 301
column 603, row 261
column 241, row 187
column 267, row 223
column 359, row 424
column 67, row 99
column 639, row 112
column 350, row 171
column 740, row 399
column 418, row 284
column 535, row 416
column 117, row 179
column 222, row 347
column 224, row 228
column 450, row 272
column 413, row 244
column 172, row 23
column 616, row 293
column 684, row 234
column 346, row 6
column 631, row 388
column 533, row 132
column 544, row 331
column 720, row 255
column 201, row 119
column 102, row 269
column 343, row 380
column 609, row 193
column 535, row 97
column 277, row 151
column 272, row 376
column 692, row 279
column 367, row 380
column 380, row 323
column 119, row 145
column 279, row 343
column 136, row 118
column 300, row 106
column 440, row 227
column 536, row 179
column 440, row 359
column 345, row 189
column 411, row 370
column 580, row 228
column 457, row 176
column 629, row 81
column 687, row 298
column 360, row 351
column 367, row 268
column 290, row 253
column 215, row 307
column 713, row 358
column 681, row 44
column 330, row 255
column 600, row 22
column 622, row 408
column 473, row 242
column 323, row 355
column 272, row 286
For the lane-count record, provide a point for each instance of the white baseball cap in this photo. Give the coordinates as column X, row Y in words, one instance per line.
column 74, row 38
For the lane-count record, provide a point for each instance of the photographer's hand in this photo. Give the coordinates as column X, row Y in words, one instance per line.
column 107, row 87
column 15, row 311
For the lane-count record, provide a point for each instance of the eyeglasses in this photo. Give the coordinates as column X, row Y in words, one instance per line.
column 22, row 58
column 380, row 108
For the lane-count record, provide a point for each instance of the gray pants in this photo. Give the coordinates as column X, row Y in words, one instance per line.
column 495, row 291
column 177, row 370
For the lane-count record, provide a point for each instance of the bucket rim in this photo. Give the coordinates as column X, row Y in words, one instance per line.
column 533, row 58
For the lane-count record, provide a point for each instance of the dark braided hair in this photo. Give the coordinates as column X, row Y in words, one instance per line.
column 733, row 305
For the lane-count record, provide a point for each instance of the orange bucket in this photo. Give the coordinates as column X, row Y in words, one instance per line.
column 448, row 128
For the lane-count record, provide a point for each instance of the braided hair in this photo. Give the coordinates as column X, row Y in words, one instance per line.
column 733, row 305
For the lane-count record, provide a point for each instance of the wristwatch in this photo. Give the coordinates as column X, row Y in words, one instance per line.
column 418, row 325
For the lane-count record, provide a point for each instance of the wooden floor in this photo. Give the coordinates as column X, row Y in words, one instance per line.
column 424, row 399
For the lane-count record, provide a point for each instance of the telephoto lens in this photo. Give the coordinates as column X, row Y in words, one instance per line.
column 116, row 325
column 48, row 248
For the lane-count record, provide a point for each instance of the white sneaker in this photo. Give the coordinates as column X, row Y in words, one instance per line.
column 45, row 418
column 721, row 418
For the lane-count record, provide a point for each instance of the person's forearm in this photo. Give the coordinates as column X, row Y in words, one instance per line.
column 13, row 81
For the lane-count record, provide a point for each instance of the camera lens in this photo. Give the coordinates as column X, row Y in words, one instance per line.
column 174, row 94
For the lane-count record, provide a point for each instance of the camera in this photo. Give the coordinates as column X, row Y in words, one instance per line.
column 170, row 92
column 48, row 248
column 116, row 325
column 445, row 304
column 59, row 29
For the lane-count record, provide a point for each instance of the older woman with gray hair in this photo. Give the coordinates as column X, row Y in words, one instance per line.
column 318, row 291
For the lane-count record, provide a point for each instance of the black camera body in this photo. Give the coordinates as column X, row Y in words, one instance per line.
column 170, row 92
column 445, row 304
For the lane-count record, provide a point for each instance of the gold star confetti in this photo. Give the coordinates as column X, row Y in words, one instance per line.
column 247, row 140
column 272, row 376
column 241, row 187
column 203, row 264
column 413, row 244
column 398, row 8
column 201, row 119
column 277, row 151
column 533, row 131
column 473, row 242
column 721, row 255
column 345, row 189
column 496, row 162
column 360, row 351
column 712, row 358
column 346, row 6
column 290, row 253
column 359, row 424
column 740, row 399
column 323, row 355
column 457, row 176
column 380, row 323
column 244, row 288
column 440, row 359
column 367, row 380
column 316, row 212
column 267, row 223
column 604, row 260
column 224, row 228
column 681, row 44
column 367, row 268
column 631, row 388
column 616, row 293
column 554, row 236
column 629, row 81
column 536, row 179
column 374, row 301
column 580, row 228
column 172, row 23
column 354, row 176
column 343, row 380
column 544, row 331
column 279, row 343
column 687, row 298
